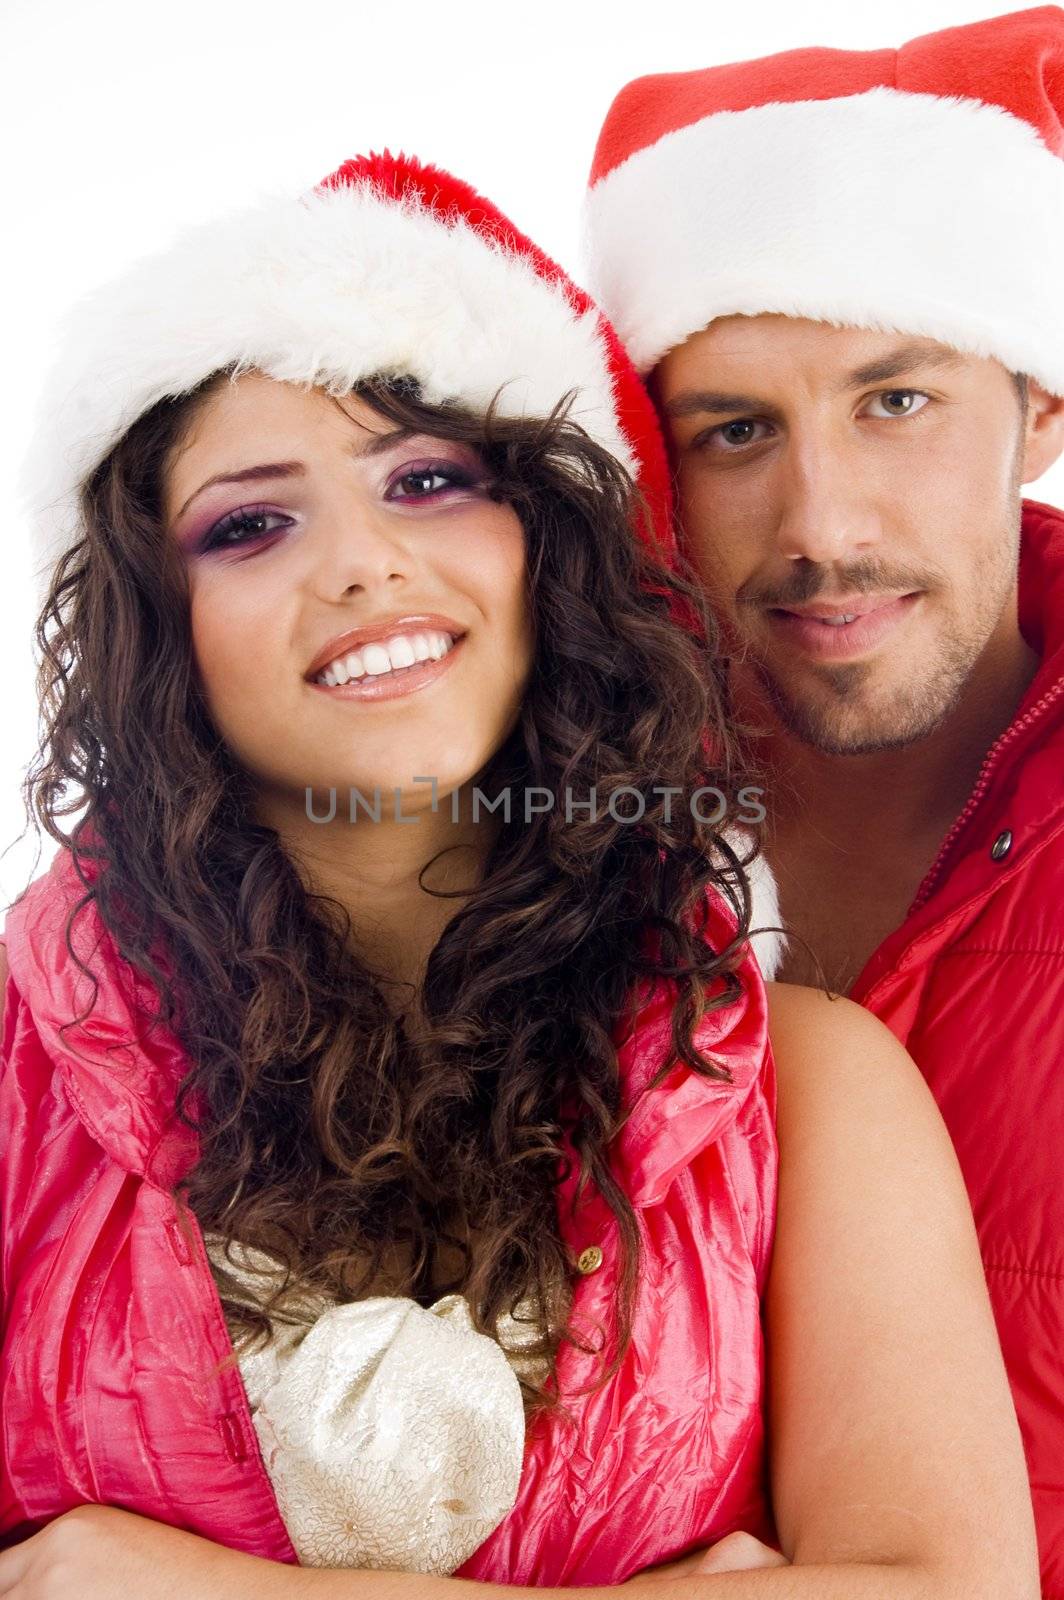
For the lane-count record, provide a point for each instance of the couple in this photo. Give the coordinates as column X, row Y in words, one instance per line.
column 438, row 1195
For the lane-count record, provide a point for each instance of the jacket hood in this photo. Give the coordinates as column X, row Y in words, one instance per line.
column 122, row 1076
column 1041, row 589
column 1018, row 789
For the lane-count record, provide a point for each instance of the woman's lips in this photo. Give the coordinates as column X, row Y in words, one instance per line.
column 392, row 685
column 840, row 640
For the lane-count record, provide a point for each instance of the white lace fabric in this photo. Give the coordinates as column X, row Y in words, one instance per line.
column 393, row 1435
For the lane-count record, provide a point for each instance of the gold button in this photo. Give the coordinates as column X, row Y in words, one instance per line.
column 589, row 1260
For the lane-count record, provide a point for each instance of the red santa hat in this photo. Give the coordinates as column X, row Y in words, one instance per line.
column 918, row 190
column 388, row 266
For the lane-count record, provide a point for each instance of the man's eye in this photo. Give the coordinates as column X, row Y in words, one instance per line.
column 898, row 403
column 734, row 435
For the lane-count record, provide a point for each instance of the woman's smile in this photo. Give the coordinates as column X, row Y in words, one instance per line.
column 378, row 681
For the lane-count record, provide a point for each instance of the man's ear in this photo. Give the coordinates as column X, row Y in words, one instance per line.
column 1043, row 432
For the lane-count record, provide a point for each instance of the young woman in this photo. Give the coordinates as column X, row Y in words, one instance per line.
column 388, row 1115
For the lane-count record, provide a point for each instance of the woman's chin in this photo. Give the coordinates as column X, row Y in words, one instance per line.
column 421, row 790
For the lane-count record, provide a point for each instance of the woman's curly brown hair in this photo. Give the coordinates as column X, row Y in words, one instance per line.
column 367, row 1159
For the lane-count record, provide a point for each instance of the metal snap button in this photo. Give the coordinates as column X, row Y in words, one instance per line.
column 589, row 1260
column 1001, row 846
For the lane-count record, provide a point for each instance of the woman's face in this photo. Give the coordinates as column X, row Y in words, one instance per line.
column 346, row 523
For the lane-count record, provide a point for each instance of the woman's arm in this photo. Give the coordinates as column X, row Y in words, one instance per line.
column 896, row 1461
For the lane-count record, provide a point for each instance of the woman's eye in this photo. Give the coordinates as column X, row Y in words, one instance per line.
column 247, row 524
column 421, row 483
column 898, row 403
column 736, row 435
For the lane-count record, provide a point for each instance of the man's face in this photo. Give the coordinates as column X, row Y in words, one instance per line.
column 828, row 473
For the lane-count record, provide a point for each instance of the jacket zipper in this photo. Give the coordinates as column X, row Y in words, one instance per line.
column 982, row 784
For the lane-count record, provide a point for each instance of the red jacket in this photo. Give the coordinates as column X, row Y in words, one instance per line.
column 973, row 984
column 112, row 1323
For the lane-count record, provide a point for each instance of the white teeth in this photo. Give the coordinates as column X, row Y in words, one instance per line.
column 837, row 622
column 401, row 652
column 374, row 660
column 377, row 659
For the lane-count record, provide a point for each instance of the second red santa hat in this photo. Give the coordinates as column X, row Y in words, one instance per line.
column 917, row 190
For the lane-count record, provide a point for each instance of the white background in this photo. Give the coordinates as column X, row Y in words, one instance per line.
column 122, row 122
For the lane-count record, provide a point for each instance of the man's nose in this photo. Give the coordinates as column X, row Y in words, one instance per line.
column 825, row 513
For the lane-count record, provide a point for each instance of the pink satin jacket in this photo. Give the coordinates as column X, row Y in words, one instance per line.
column 112, row 1325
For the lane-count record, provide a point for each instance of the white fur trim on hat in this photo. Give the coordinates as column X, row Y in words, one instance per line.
column 326, row 289
column 769, row 947
column 909, row 213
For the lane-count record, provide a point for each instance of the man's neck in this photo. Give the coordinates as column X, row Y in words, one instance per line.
column 850, row 838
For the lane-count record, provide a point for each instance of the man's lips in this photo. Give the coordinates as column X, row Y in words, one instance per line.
column 858, row 605
column 875, row 618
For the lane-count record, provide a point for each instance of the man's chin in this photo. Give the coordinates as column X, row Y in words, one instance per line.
column 865, row 725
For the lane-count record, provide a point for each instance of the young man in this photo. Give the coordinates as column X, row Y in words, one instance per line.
column 840, row 272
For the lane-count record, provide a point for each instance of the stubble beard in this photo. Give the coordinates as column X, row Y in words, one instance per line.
column 850, row 717
column 850, row 720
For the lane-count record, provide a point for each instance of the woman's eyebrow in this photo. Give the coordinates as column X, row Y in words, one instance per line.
column 373, row 446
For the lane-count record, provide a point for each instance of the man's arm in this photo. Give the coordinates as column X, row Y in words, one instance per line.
column 896, row 1462
column 893, row 1436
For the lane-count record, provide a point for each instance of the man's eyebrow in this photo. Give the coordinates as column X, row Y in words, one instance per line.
column 693, row 401
column 919, row 353
column 374, row 446
column 922, row 353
